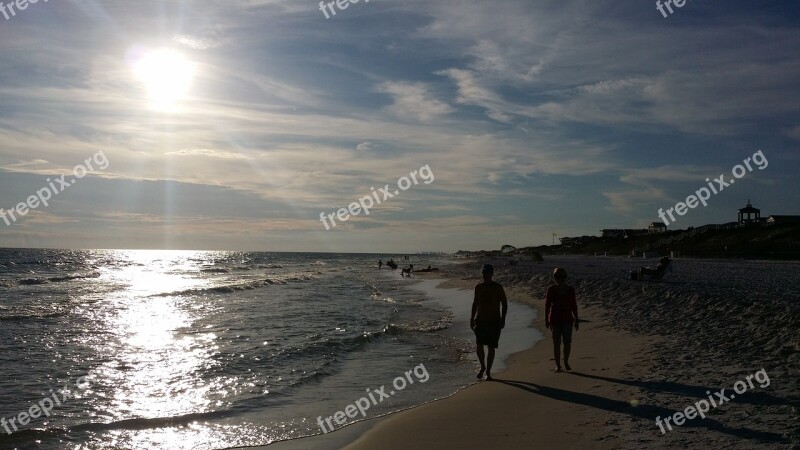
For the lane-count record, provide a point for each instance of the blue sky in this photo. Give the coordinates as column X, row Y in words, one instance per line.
column 536, row 117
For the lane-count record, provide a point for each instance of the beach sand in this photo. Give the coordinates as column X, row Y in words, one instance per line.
column 528, row 404
column 644, row 350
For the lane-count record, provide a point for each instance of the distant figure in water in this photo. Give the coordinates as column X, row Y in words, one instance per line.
column 657, row 273
column 561, row 312
column 408, row 270
column 380, row 264
column 489, row 308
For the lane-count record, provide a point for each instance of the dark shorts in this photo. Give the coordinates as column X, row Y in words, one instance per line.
column 562, row 332
column 487, row 332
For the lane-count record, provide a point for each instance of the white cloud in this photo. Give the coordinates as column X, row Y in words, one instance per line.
column 413, row 101
column 470, row 92
column 195, row 42
column 207, row 153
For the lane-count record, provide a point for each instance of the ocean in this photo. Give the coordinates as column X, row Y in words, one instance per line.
column 211, row 350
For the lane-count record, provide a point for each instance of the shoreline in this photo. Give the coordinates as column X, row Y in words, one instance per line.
column 444, row 421
column 644, row 351
column 456, row 296
column 350, row 433
column 487, row 414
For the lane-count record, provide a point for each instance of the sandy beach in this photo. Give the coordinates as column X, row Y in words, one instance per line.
column 529, row 404
column 644, row 351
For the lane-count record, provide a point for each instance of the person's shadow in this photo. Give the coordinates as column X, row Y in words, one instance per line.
column 751, row 397
column 640, row 410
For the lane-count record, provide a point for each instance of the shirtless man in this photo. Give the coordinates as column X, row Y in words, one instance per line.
column 487, row 319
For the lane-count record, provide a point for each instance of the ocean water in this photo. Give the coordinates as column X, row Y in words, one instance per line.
column 208, row 350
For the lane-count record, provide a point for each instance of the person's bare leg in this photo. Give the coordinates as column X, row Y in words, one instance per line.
column 489, row 361
column 481, row 359
column 557, row 349
column 567, row 348
column 557, row 356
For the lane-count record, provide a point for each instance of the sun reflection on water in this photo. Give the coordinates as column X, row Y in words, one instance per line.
column 153, row 361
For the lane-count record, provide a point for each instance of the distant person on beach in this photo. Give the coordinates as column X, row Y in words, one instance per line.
column 380, row 264
column 561, row 312
column 408, row 270
column 657, row 273
column 489, row 308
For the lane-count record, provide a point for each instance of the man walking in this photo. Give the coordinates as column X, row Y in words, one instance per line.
column 487, row 318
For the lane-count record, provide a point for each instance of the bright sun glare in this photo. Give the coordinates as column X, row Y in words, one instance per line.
column 167, row 75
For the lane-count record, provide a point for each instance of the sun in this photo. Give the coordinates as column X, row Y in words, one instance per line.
column 167, row 76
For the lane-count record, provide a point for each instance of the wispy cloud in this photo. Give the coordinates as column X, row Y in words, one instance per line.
column 589, row 111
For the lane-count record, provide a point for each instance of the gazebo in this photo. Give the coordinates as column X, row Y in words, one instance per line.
column 749, row 215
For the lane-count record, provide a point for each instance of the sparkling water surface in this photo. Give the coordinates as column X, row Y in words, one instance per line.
column 203, row 350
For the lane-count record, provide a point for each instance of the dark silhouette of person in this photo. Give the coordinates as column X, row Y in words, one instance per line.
column 657, row 273
column 561, row 312
column 380, row 264
column 489, row 308
column 408, row 270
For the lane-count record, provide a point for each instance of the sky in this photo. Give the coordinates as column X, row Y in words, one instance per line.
column 236, row 124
